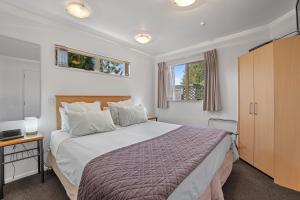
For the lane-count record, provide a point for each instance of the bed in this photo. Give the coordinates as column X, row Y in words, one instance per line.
column 69, row 156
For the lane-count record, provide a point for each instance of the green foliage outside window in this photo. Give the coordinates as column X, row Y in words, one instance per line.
column 71, row 58
column 194, row 81
column 81, row 62
column 111, row 67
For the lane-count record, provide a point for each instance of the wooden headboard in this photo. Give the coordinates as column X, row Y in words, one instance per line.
column 87, row 99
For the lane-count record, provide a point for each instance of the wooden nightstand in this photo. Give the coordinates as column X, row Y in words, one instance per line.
column 152, row 117
column 40, row 155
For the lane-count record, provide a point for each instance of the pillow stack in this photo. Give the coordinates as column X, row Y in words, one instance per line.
column 134, row 114
column 113, row 107
column 82, row 118
column 125, row 113
column 84, row 123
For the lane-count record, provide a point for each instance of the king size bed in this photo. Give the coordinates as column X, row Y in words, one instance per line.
column 150, row 160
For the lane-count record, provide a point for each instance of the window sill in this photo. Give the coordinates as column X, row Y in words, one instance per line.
column 92, row 72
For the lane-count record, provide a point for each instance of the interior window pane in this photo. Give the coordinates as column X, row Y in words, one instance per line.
column 189, row 81
column 81, row 62
column 71, row 58
column 179, row 71
column 196, row 81
column 62, row 57
column 111, row 67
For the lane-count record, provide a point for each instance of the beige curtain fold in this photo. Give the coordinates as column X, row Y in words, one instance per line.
column 163, row 81
column 212, row 99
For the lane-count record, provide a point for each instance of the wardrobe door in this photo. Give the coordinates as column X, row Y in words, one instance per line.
column 287, row 109
column 246, row 116
column 264, row 109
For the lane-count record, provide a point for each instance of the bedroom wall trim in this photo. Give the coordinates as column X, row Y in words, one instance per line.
column 204, row 46
column 224, row 41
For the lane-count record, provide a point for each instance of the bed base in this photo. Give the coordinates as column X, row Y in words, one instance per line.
column 213, row 191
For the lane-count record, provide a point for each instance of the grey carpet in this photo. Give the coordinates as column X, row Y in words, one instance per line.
column 245, row 183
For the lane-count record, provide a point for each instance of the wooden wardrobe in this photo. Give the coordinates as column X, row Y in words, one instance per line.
column 269, row 110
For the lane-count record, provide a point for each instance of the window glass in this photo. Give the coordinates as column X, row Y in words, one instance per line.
column 189, row 81
column 111, row 67
column 71, row 58
column 179, row 71
column 81, row 62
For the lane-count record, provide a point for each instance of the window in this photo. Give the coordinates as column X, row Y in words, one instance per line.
column 111, row 67
column 71, row 58
column 189, row 81
column 81, row 61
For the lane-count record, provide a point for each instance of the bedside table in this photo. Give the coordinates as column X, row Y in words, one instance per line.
column 40, row 155
column 152, row 117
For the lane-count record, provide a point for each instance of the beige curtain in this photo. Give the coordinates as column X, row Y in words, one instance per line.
column 163, row 82
column 212, row 99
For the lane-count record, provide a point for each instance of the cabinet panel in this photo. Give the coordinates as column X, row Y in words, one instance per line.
column 264, row 109
column 246, row 116
column 287, row 109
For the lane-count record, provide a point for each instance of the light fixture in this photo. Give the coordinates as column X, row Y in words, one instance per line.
column 184, row 3
column 143, row 38
column 202, row 23
column 31, row 125
column 78, row 9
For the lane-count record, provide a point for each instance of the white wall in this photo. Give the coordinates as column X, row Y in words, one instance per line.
column 18, row 24
column 229, row 48
column 283, row 25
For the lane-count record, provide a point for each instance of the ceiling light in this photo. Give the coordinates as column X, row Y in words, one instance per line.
column 202, row 23
column 184, row 3
column 143, row 38
column 78, row 9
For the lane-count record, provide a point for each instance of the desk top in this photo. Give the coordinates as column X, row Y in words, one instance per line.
column 22, row 140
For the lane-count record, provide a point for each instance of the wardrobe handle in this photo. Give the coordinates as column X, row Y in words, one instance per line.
column 250, row 108
column 255, row 108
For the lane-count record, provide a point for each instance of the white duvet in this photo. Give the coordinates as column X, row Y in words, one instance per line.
column 72, row 154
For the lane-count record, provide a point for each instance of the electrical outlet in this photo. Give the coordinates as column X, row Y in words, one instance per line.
column 51, row 100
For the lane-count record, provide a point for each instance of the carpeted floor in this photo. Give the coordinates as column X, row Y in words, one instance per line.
column 245, row 183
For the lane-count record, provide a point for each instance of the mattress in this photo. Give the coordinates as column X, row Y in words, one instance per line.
column 72, row 154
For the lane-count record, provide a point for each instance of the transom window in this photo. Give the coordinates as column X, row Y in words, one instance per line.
column 189, row 81
column 71, row 58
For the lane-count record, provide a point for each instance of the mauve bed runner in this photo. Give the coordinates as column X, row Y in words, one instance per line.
column 149, row 170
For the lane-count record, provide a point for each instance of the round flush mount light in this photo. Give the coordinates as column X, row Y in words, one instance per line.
column 78, row 9
column 184, row 3
column 143, row 38
column 202, row 23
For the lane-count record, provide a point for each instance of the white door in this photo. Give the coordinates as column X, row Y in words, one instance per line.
column 32, row 93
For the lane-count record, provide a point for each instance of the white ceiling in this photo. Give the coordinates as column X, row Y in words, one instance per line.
column 171, row 27
column 19, row 49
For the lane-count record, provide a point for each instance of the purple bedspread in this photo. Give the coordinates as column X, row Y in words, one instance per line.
column 150, row 170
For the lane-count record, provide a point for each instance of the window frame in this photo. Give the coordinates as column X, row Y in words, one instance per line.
column 98, row 58
column 186, row 62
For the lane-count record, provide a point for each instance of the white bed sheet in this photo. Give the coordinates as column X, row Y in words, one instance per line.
column 72, row 154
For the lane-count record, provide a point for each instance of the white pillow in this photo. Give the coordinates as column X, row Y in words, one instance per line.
column 114, row 111
column 129, row 115
column 82, row 106
column 64, row 120
column 85, row 123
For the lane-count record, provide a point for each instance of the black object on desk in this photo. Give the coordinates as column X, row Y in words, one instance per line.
column 10, row 135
